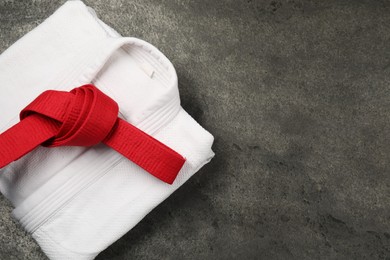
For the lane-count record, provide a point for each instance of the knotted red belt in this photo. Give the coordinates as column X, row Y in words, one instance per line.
column 85, row 116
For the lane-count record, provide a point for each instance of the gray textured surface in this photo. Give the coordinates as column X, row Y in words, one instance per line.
column 297, row 94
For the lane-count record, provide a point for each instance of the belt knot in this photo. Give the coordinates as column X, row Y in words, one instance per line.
column 84, row 116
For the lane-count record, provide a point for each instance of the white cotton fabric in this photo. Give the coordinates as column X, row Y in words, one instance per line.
column 77, row 201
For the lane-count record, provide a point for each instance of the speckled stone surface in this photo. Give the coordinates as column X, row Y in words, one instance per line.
column 297, row 94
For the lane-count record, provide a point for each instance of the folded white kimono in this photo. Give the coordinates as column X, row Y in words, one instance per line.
column 76, row 201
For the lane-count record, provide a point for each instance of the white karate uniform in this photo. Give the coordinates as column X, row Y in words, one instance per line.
column 77, row 201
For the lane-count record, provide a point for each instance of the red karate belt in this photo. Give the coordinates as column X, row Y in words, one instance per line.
column 86, row 116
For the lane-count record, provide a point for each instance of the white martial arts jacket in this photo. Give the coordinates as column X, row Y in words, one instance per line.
column 76, row 201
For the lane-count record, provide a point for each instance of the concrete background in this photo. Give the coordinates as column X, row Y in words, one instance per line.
column 297, row 94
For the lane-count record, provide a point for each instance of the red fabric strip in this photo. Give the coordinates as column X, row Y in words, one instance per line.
column 85, row 116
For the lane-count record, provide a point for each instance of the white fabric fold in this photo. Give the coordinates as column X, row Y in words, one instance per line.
column 77, row 201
